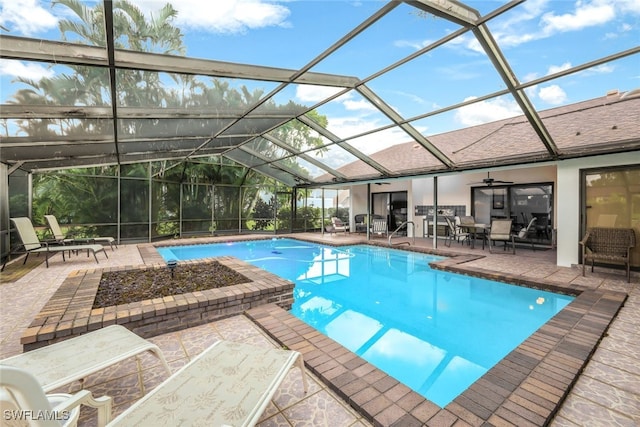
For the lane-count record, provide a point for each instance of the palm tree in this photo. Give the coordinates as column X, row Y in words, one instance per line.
column 86, row 85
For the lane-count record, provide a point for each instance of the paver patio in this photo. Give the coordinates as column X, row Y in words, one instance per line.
column 606, row 393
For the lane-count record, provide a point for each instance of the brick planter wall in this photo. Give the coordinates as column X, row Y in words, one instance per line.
column 69, row 311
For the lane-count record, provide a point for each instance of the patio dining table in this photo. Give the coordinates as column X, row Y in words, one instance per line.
column 475, row 230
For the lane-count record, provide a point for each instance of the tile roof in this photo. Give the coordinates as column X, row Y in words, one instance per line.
column 606, row 124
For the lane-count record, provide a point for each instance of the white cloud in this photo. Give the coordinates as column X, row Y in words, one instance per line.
column 360, row 105
column 487, row 111
column 552, row 94
column 416, row 45
column 310, row 93
column 628, row 6
column 585, row 15
column 374, row 142
column 31, row 71
column 25, row 17
column 344, row 127
column 599, row 69
column 558, row 68
column 228, row 16
column 530, row 76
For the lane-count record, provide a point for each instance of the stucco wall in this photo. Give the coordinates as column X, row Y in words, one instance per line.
column 454, row 190
column 568, row 196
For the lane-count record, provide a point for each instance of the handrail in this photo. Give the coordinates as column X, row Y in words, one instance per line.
column 399, row 227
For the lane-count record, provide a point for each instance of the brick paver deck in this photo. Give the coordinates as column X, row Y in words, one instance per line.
column 522, row 390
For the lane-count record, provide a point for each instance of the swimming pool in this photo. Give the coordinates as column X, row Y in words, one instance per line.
column 436, row 332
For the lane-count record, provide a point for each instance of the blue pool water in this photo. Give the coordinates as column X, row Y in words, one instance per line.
column 436, row 332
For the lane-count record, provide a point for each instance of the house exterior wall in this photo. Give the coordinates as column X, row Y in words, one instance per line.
column 455, row 189
column 568, row 197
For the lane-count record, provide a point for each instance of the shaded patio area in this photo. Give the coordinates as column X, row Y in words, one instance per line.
column 606, row 393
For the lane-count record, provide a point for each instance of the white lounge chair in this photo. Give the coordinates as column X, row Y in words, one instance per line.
column 31, row 243
column 229, row 384
column 76, row 358
column 24, row 402
column 59, row 236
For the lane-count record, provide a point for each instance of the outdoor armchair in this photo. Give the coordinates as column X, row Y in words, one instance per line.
column 501, row 232
column 455, row 232
column 608, row 245
column 361, row 223
column 524, row 235
column 338, row 225
column 379, row 226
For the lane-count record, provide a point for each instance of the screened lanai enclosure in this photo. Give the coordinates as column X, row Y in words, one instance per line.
column 146, row 120
column 150, row 201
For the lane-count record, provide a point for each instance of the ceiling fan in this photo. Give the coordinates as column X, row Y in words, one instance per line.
column 488, row 181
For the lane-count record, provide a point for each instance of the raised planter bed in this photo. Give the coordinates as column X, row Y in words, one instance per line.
column 69, row 312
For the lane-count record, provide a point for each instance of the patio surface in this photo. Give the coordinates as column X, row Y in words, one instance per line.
column 607, row 392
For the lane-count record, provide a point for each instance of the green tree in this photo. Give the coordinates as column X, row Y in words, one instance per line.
column 263, row 214
column 88, row 85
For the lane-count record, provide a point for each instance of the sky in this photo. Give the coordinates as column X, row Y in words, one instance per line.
column 538, row 38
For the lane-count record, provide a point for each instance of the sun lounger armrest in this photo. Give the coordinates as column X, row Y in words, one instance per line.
column 84, row 397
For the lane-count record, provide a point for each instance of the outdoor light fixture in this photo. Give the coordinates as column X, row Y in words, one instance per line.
column 171, row 265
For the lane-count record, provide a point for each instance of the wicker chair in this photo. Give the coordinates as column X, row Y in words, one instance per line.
column 608, row 245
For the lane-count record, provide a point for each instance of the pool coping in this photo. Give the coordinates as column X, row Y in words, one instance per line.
column 526, row 388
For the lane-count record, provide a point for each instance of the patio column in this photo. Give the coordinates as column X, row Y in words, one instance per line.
column 435, row 212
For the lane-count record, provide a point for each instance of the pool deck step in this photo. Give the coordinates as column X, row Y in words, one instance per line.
column 526, row 388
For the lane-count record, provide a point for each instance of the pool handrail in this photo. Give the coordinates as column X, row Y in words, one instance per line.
column 399, row 227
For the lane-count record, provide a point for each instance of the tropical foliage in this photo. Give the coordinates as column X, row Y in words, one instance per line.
column 92, row 195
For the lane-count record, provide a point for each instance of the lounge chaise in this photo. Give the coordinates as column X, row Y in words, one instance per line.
column 59, row 236
column 74, row 359
column 229, row 384
column 32, row 244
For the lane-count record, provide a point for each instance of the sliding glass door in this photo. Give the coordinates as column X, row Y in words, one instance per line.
column 611, row 198
column 393, row 207
column 521, row 203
